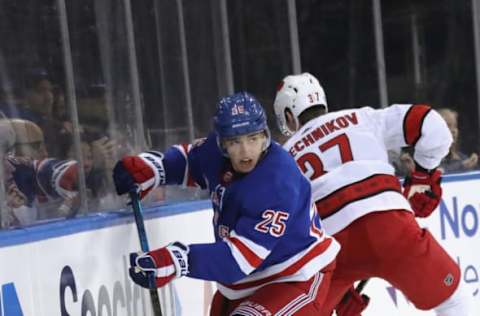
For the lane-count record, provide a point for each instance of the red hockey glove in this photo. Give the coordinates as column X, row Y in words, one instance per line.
column 144, row 171
column 156, row 268
column 353, row 305
column 423, row 190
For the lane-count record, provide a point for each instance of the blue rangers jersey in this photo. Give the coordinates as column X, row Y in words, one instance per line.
column 266, row 229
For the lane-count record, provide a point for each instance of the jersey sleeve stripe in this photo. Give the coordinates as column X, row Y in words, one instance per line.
column 362, row 189
column 183, row 149
column 413, row 122
column 190, row 181
column 186, row 148
column 291, row 269
column 316, row 231
column 187, row 178
column 261, row 251
column 247, row 259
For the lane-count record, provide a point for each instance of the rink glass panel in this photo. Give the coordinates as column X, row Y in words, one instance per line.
column 32, row 97
column 132, row 75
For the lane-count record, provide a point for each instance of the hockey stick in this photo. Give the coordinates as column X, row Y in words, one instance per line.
column 359, row 288
column 361, row 285
column 142, row 235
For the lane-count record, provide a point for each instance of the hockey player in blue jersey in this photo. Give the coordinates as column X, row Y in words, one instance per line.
column 271, row 255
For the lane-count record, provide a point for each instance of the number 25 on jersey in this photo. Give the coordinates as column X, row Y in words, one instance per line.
column 273, row 223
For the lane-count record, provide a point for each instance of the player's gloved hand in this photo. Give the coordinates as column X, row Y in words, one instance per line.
column 144, row 171
column 156, row 268
column 353, row 305
column 423, row 191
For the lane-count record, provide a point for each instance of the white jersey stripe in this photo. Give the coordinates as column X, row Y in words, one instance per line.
column 184, row 151
column 246, row 311
column 242, row 262
column 248, row 254
column 303, row 299
column 259, row 250
column 308, row 267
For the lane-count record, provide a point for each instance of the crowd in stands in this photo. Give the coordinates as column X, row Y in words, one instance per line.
column 456, row 160
column 40, row 168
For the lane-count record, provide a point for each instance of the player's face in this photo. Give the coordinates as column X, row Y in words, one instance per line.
column 245, row 151
column 34, row 149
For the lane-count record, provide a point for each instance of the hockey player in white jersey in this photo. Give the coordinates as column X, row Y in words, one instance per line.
column 361, row 202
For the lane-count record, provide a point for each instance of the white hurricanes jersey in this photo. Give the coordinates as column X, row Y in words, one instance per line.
column 344, row 154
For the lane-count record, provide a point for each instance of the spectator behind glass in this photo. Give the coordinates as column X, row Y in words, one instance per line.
column 35, row 102
column 16, row 209
column 29, row 140
column 10, row 197
column 42, row 180
column 39, row 97
column 456, row 160
column 35, row 98
column 7, row 135
column 98, row 159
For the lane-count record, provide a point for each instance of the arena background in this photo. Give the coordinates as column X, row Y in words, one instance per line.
column 120, row 76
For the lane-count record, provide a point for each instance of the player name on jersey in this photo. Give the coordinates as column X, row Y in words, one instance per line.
column 326, row 128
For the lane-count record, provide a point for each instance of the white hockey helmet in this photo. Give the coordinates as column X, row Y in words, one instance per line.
column 297, row 93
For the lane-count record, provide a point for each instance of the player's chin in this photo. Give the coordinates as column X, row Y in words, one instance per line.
column 245, row 166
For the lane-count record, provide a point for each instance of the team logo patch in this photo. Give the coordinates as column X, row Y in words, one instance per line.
column 448, row 279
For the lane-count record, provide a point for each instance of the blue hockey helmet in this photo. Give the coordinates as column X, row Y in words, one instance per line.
column 239, row 114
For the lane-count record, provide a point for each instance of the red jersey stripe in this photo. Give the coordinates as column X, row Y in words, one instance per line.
column 185, row 148
column 359, row 190
column 190, row 182
column 292, row 269
column 246, row 252
column 413, row 121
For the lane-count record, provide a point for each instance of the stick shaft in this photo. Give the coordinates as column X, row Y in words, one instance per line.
column 358, row 289
column 361, row 285
column 142, row 236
